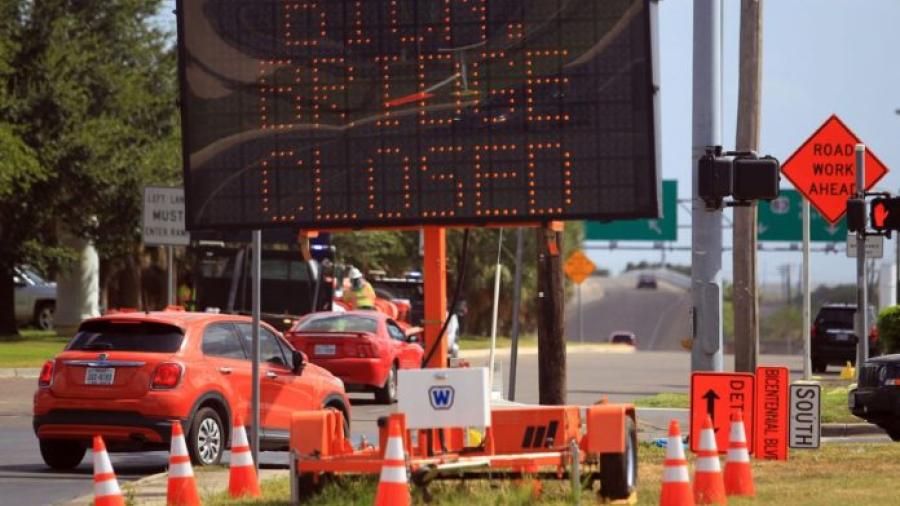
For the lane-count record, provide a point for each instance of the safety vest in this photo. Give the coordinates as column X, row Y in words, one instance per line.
column 363, row 298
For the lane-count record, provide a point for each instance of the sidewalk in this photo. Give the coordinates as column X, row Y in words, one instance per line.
column 20, row 372
column 152, row 489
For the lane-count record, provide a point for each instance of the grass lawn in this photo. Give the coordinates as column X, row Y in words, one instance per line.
column 834, row 404
column 30, row 349
column 483, row 343
column 809, row 478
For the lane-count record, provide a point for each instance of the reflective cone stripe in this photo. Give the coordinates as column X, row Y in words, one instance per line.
column 676, row 485
column 242, row 479
column 182, row 489
column 106, row 486
column 709, row 485
column 393, row 489
column 738, row 472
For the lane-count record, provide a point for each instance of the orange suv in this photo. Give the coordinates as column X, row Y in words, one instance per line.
column 126, row 376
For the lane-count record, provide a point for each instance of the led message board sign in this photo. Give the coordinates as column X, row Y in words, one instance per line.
column 373, row 113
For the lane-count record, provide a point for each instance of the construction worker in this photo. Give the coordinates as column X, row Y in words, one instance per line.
column 360, row 295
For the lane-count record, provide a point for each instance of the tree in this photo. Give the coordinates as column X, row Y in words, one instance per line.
column 91, row 91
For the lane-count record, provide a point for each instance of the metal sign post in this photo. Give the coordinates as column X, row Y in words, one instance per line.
column 807, row 298
column 516, row 301
column 862, row 349
column 580, row 317
column 706, row 225
column 170, row 275
column 254, row 352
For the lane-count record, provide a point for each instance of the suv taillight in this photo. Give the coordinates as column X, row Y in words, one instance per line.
column 46, row 376
column 167, row 375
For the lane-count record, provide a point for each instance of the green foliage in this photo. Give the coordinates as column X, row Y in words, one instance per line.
column 392, row 252
column 785, row 324
column 889, row 329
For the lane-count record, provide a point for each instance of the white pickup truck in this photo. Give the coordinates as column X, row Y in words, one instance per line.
column 35, row 298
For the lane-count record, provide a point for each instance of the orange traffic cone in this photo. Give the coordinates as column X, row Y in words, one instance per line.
column 709, row 487
column 393, row 489
column 242, row 480
column 106, row 487
column 182, row 487
column 738, row 474
column 676, row 485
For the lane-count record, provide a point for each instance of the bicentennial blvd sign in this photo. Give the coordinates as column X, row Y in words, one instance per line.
column 379, row 113
column 771, row 432
column 823, row 168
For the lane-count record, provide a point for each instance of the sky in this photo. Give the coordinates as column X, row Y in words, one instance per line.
column 819, row 57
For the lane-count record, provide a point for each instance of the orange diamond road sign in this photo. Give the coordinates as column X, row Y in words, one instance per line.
column 578, row 267
column 823, row 168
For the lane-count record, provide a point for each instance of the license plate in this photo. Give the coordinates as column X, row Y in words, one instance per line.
column 100, row 376
column 842, row 338
column 325, row 349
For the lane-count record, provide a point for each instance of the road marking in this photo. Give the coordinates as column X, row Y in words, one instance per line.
column 662, row 317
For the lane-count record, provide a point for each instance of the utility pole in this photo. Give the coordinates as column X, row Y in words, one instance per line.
column 551, row 332
column 746, row 299
column 706, row 225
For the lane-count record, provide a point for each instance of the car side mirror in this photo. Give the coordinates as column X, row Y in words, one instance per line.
column 299, row 360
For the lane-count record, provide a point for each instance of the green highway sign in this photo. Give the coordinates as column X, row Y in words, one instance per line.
column 782, row 220
column 662, row 229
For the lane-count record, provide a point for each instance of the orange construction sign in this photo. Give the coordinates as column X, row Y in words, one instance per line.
column 719, row 394
column 771, row 431
column 823, row 168
column 578, row 267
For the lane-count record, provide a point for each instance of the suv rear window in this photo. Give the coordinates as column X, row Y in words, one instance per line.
column 105, row 335
column 836, row 317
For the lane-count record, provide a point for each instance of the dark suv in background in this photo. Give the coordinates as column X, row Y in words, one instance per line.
column 877, row 395
column 834, row 338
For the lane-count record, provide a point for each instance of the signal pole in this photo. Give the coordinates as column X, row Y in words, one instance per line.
column 551, row 310
column 746, row 300
column 706, row 225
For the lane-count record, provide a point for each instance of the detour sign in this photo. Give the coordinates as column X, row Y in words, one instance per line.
column 718, row 394
column 822, row 169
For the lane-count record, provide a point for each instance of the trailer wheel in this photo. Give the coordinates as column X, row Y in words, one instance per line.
column 619, row 471
column 310, row 485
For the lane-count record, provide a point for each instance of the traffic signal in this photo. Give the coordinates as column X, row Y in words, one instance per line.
column 856, row 214
column 884, row 214
column 745, row 177
column 756, row 178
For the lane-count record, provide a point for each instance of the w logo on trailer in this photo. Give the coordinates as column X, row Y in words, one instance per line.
column 441, row 397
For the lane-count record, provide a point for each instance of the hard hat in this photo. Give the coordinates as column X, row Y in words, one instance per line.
column 355, row 274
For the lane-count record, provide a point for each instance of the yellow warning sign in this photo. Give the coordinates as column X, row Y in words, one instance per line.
column 578, row 267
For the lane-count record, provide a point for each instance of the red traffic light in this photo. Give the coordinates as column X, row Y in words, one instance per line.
column 880, row 213
column 884, row 214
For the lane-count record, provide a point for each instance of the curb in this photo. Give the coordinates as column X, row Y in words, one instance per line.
column 532, row 350
column 20, row 372
column 850, row 429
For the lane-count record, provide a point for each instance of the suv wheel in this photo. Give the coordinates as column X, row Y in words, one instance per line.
column 206, row 439
column 894, row 434
column 61, row 454
column 43, row 316
column 819, row 366
column 388, row 393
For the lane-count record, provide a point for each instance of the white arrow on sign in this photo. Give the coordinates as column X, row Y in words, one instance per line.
column 654, row 226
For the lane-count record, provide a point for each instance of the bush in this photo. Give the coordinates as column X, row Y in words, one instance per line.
column 889, row 329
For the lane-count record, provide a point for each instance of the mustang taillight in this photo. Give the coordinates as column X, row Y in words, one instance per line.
column 364, row 350
column 892, row 382
column 167, row 375
column 46, row 376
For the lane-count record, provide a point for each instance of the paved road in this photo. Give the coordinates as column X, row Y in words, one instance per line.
column 659, row 318
column 621, row 377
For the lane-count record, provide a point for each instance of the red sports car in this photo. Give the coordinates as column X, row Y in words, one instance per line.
column 363, row 348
